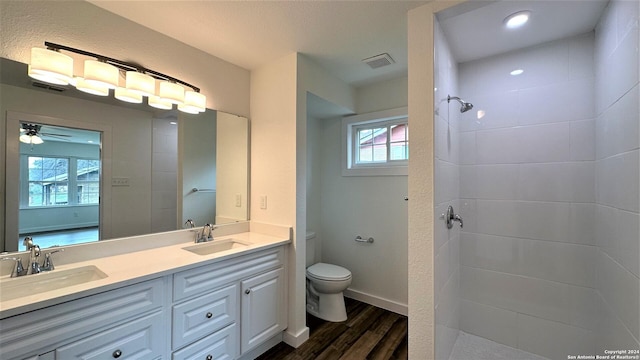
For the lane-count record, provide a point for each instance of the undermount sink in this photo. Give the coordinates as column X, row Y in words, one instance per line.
column 13, row 288
column 216, row 246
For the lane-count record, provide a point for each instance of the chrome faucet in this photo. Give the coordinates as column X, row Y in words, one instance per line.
column 205, row 234
column 189, row 224
column 18, row 269
column 47, row 264
column 34, row 266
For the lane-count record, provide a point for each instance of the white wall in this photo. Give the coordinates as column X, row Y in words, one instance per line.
column 420, row 182
column 279, row 159
column 314, row 192
column 198, row 167
column 232, row 153
column 369, row 206
column 36, row 220
column 164, row 174
column 447, row 193
column 617, row 225
column 527, row 183
column 384, row 95
column 273, row 170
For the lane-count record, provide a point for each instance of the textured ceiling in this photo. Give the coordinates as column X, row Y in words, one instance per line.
column 339, row 34
column 335, row 34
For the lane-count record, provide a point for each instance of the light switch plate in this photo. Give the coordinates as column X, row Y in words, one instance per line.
column 263, row 202
column 120, row 181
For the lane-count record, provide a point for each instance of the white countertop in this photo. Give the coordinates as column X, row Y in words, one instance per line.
column 129, row 268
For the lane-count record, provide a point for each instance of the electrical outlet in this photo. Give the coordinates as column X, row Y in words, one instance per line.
column 120, row 181
column 263, row 202
column 238, row 200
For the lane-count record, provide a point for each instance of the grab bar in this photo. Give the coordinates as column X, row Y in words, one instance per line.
column 360, row 239
column 203, row 190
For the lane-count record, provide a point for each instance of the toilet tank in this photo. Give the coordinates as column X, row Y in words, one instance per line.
column 311, row 248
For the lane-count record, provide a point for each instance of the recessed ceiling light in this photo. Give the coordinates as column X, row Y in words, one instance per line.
column 516, row 20
column 516, row 72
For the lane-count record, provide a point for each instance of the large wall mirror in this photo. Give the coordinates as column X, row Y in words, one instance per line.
column 102, row 169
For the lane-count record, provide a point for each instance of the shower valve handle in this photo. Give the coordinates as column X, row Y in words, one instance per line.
column 450, row 217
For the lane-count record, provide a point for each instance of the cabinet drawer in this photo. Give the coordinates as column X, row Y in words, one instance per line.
column 139, row 339
column 199, row 317
column 27, row 334
column 202, row 279
column 221, row 345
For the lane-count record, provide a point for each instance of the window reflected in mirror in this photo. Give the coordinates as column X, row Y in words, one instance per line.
column 59, row 184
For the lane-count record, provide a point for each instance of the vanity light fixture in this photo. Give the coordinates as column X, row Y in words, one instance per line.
column 156, row 102
column 194, row 103
column 517, row 19
column 126, row 95
column 140, row 83
column 51, row 66
column 171, row 92
column 89, row 88
column 103, row 73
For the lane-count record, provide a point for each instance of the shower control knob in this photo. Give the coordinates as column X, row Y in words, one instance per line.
column 450, row 217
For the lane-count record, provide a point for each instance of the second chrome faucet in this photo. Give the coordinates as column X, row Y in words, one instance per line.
column 204, row 235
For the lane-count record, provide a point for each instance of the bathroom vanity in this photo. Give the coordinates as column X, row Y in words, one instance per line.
column 220, row 299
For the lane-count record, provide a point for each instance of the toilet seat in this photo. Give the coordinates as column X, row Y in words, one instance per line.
column 328, row 272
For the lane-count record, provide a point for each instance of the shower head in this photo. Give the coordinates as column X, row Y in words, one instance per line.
column 464, row 106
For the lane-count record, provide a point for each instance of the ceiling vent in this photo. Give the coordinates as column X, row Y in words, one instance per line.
column 47, row 86
column 379, row 61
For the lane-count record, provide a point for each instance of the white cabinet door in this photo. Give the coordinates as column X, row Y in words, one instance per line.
column 263, row 308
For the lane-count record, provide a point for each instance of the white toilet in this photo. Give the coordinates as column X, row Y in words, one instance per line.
column 325, row 284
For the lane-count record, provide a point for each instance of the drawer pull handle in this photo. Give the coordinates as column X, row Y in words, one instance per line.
column 248, row 291
column 209, row 315
column 209, row 357
column 116, row 354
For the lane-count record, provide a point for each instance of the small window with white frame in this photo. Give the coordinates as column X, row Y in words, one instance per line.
column 376, row 143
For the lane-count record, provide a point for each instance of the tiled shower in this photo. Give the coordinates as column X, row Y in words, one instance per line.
column 545, row 173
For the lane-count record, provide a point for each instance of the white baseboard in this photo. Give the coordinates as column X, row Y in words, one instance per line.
column 383, row 303
column 296, row 340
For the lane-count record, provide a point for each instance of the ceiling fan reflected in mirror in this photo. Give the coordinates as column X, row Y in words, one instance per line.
column 32, row 134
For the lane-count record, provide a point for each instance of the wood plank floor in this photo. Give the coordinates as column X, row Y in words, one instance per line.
column 368, row 333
